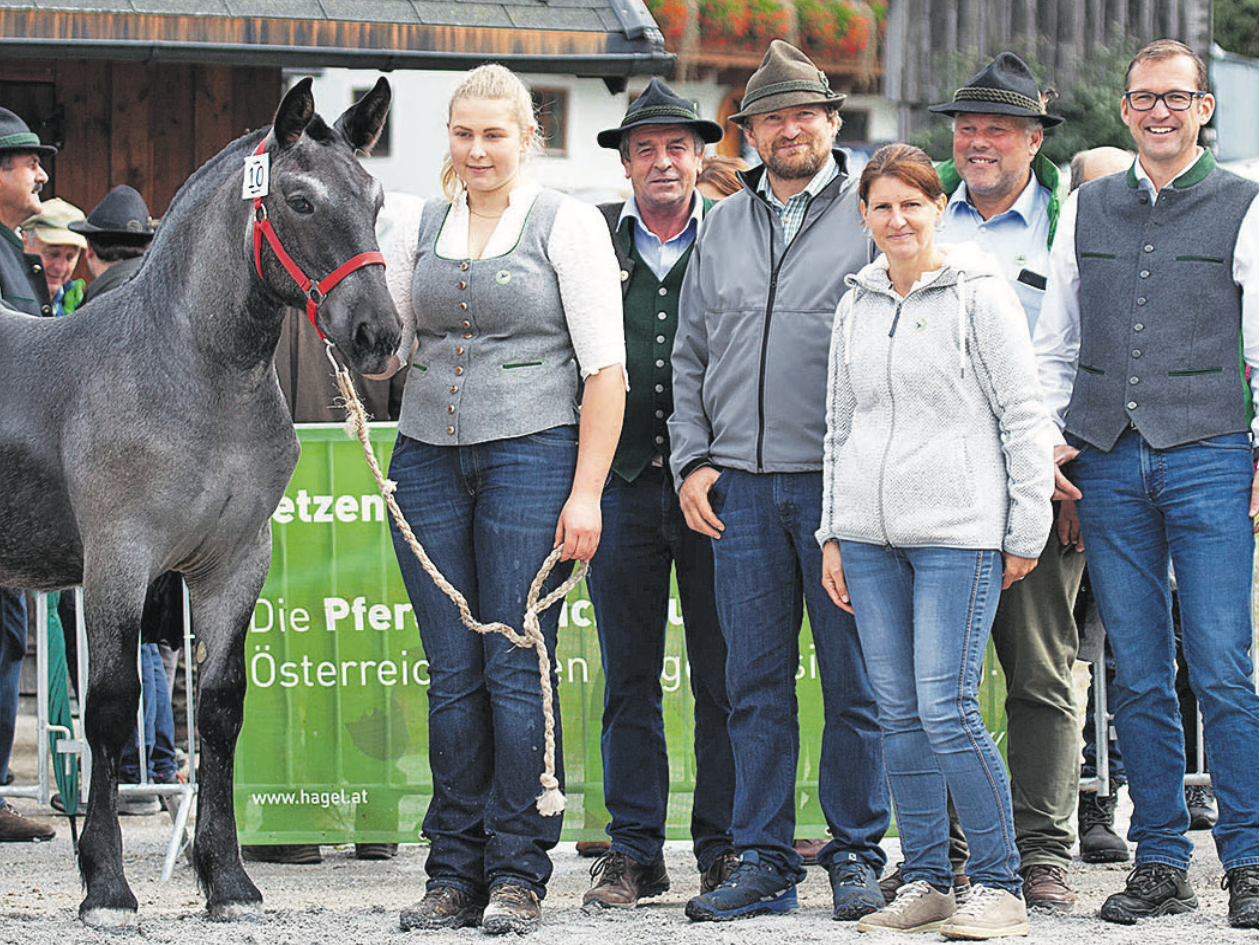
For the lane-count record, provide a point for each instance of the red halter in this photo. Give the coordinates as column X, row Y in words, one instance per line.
column 315, row 291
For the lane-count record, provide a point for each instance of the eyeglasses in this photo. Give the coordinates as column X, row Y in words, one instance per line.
column 1175, row 101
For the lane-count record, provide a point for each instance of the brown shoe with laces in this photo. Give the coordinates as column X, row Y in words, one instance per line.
column 718, row 871
column 1046, row 887
column 443, row 907
column 511, row 909
column 620, row 881
column 14, row 828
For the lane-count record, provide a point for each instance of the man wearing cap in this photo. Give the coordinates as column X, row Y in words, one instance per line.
column 746, row 439
column 22, row 287
column 1151, row 316
column 661, row 140
column 46, row 234
column 1004, row 196
column 118, row 232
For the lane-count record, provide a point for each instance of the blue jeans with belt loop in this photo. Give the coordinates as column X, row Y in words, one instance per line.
column 644, row 532
column 1141, row 507
column 767, row 571
column 486, row 515
column 924, row 616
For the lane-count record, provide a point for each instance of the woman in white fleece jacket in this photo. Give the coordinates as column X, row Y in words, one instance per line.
column 937, row 478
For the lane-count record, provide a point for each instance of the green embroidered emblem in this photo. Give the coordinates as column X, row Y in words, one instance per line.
column 503, row 277
column 920, row 324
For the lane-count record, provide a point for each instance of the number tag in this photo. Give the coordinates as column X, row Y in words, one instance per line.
column 257, row 176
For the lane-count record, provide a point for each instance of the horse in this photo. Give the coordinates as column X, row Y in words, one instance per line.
column 147, row 433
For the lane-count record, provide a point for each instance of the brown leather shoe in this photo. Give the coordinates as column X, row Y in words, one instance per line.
column 809, row 849
column 443, row 907
column 620, row 881
column 1046, row 887
column 14, row 828
column 721, row 867
column 593, row 848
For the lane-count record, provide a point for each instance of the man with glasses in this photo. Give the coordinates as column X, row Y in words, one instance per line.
column 1152, row 300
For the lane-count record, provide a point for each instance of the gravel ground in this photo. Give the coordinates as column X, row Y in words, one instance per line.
column 349, row 902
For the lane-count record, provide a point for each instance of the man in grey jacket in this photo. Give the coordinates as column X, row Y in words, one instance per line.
column 750, row 376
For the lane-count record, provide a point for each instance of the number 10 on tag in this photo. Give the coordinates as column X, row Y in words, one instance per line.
column 257, row 176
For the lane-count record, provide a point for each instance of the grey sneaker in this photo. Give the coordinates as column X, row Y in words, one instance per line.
column 988, row 913
column 443, row 907
column 918, row 907
column 511, row 909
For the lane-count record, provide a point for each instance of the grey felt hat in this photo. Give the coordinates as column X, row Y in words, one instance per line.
column 16, row 136
column 785, row 78
column 660, row 105
column 121, row 216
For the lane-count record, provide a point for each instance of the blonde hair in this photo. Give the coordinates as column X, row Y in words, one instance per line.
column 499, row 83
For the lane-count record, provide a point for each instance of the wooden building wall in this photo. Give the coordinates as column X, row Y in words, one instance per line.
column 147, row 125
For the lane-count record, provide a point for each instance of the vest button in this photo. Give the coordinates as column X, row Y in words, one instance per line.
column 450, row 430
column 468, row 334
column 1144, row 274
column 660, row 339
column 459, row 371
column 662, row 316
column 1138, row 327
column 459, row 349
column 660, row 415
column 450, row 408
column 660, row 439
column 1142, row 301
column 463, row 266
column 1135, row 380
column 1148, row 248
column 37, row 268
column 1137, row 353
column 624, row 275
column 454, row 388
column 1131, row 405
column 463, row 284
column 662, row 291
column 660, row 388
column 45, row 310
column 466, row 323
column 463, row 306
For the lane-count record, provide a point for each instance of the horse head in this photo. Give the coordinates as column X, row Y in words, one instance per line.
column 321, row 207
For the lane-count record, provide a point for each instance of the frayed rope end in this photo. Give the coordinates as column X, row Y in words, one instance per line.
column 389, row 488
column 550, row 801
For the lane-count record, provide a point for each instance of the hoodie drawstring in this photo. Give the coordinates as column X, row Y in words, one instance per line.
column 962, row 324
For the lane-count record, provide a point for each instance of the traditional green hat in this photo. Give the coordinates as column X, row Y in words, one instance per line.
column 660, row 105
column 785, row 78
column 15, row 136
column 1005, row 86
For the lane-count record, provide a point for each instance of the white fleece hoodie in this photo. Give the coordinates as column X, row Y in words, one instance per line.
column 937, row 433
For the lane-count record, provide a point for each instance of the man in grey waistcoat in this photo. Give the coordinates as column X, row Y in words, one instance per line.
column 1149, row 322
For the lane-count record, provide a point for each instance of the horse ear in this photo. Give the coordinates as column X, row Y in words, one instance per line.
column 362, row 122
column 294, row 114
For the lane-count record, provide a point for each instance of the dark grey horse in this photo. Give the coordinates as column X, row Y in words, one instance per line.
column 147, row 433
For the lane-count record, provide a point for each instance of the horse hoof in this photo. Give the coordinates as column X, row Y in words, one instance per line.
column 235, row 912
column 108, row 919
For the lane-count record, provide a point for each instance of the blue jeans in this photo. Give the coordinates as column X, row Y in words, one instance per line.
column 766, row 561
column 12, row 652
column 924, row 616
column 159, row 724
column 1140, row 507
column 486, row 514
column 629, row 582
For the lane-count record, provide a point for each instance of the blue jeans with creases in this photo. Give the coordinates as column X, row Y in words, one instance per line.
column 629, row 582
column 1141, row 507
column 924, row 617
column 159, row 724
column 12, row 652
column 486, row 515
column 767, row 572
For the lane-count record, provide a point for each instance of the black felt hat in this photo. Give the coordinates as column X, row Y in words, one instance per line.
column 122, row 216
column 786, row 78
column 1004, row 87
column 660, row 105
column 15, row 136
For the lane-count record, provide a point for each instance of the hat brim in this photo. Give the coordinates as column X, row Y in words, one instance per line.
column 710, row 131
column 994, row 108
column 56, row 236
column 43, row 150
column 118, row 236
column 774, row 103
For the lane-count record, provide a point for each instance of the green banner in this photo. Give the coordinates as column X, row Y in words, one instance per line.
column 334, row 747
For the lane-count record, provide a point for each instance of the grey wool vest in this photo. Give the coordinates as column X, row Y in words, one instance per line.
column 1161, row 316
column 494, row 359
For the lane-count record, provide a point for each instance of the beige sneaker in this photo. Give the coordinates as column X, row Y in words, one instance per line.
column 988, row 913
column 919, row 907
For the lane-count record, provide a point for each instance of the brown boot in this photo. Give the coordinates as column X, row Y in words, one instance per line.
column 443, row 907
column 1046, row 887
column 14, row 828
column 620, row 882
column 722, row 866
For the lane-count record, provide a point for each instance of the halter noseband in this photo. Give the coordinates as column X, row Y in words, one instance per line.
column 316, row 292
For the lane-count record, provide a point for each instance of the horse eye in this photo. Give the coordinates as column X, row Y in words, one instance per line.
column 300, row 205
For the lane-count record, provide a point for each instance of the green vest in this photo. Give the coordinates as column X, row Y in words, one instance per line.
column 650, row 309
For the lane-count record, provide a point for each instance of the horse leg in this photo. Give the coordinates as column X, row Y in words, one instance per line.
column 112, row 607
column 222, row 605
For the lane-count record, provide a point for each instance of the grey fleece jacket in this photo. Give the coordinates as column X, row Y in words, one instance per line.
column 937, row 433
column 754, row 320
